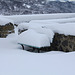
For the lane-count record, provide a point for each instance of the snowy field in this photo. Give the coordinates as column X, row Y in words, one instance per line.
column 27, row 18
column 15, row 61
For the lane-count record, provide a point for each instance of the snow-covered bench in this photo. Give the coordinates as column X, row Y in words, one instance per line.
column 33, row 39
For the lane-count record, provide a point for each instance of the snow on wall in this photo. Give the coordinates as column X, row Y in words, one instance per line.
column 66, row 29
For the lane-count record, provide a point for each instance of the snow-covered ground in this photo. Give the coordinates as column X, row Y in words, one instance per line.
column 27, row 18
column 15, row 61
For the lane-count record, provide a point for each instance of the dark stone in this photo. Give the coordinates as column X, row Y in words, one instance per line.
column 70, row 46
column 6, row 29
column 65, row 43
column 60, row 48
column 66, row 50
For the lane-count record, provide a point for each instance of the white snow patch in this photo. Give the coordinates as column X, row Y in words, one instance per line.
column 28, row 6
column 23, row 26
column 23, row 18
column 32, row 38
column 45, row 31
column 4, row 21
column 66, row 29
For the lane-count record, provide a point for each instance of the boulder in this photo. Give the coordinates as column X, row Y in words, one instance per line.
column 62, row 42
column 6, row 29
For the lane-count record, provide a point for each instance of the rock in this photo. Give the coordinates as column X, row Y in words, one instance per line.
column 63, row 43
column 21, row 30
column 6, row 29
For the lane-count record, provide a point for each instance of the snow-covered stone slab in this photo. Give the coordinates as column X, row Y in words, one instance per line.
column 34, row 39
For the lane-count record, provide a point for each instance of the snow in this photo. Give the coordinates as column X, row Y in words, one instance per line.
column 40, row 29
column 46, row 27
column 66, row 29
column 26, row 18
column 45, row 31
column 15, row 61
column 61, row 26
column 23, row 26
column 28, row 6
column 29, row 38
column 64, row 20
column 4, row 21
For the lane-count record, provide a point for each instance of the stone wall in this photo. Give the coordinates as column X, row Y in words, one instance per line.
column 6, row 29
column 63, row 43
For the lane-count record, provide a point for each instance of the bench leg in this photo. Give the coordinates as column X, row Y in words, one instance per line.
column 38, row 50
column 22, row 47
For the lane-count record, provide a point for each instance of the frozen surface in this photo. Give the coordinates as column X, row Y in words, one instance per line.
column 34, row 39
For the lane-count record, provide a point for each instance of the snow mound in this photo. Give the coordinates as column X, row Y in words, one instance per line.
column 26, row 18
column 4, row 21
column 34, row 39
column 48, row 32
column 62, row 26
column 23, row 26
column 58, row 21
column 66, row 29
